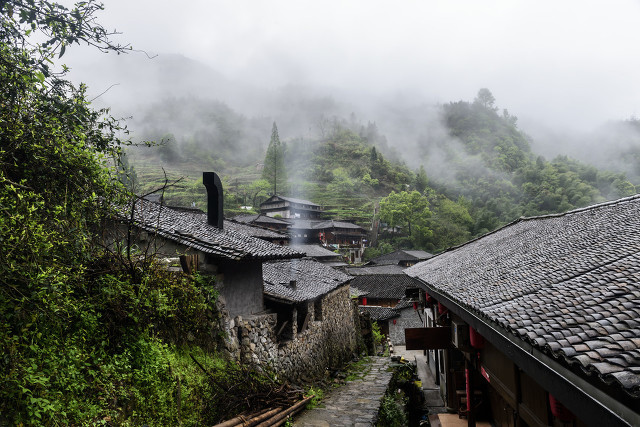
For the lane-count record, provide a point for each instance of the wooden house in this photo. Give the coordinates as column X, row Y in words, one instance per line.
column 538, row 323
column 289, row 207
column 390, row 297
column 401, row 257
column 234, row 257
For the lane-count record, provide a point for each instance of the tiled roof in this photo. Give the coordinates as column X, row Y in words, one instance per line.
column 336, row 224
column 253, row 231
column 312, row 278
column 299, row 201
column 315, row 224
column 390, row 286
column 419, row 254
column 190, row 228
column 288, row 199
column 357, row 292
column 375, row 269
column 258, row 219
column 569, row 284
column 403, row 303
column 315, row 251
column 401, row 255
column 302, row 224
column 379, row 313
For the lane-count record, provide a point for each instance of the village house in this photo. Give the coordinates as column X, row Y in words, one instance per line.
column 390, row 297
column 234, row 258
column 538, row 323
column 288, row 207
column 263, row 221
column 401, row 257
column 259, row 232
column 296, row 318
column 301, row 219
column 344, row 236
column 316, row 324
column 320, row 253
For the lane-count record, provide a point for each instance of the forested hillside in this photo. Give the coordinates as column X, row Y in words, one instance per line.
column 478, row 171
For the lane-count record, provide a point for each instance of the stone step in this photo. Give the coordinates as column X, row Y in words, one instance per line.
column 354, row 404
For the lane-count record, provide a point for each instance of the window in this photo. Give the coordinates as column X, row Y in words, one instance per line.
column 317, row 309
column 303, row 316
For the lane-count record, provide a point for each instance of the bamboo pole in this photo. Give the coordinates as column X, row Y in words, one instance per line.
column 241, row 420
column 272, row 421
column 256, row 420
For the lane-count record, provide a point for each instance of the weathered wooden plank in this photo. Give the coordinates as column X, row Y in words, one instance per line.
column 427, row 338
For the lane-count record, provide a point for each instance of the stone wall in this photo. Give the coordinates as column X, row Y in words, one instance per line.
column 408, row 319
column 329, row 340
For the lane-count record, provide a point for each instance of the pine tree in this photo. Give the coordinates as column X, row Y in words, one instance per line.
column 274, row 170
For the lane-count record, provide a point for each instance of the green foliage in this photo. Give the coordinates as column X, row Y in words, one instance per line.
column 407, row 209
column 81, row 342
column 391, row 412
column 318, row 395
column 378, row 336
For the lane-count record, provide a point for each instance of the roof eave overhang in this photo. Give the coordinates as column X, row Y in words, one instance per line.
column 581, row 397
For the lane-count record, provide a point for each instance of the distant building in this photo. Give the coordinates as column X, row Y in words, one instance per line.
column 388, row 295
column 262, row 220
column 288, row 207
column 347, row 238
column 296, row 317
column 401, row 257
column 320, row 253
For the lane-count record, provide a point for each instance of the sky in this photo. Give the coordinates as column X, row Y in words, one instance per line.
column 554, row 64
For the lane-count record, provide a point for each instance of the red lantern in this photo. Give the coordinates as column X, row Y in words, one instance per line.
column 559, row 410
column 476, row 340
column 428, row 298
column 394, row 321
column 415, row 305
column 442, row 309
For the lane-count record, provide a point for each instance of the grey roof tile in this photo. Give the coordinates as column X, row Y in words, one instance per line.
column 379, row 313
column 401, row 255
column 312, row 279
column 190, row 228
column 574, row 276
column 388, row 286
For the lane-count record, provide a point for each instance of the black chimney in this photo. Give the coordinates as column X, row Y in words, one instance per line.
column 215, row 199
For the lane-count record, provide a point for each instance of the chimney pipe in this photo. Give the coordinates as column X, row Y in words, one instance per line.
column 215, row 199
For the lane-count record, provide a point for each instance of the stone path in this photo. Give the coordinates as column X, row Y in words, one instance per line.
column 354, row 404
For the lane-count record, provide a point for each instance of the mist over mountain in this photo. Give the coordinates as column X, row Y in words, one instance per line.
column 475, row 150
column 172, row 94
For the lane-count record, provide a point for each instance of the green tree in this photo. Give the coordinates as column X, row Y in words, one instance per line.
column 486, row 99
column 407, row 209
column 255, row 190
column 422, row 182
column 274, row 171
column 57, row 158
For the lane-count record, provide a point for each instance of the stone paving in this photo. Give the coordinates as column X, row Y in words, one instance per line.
column 354, row 404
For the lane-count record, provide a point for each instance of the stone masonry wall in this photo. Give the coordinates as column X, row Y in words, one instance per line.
column 409, row 318
column 325, row 344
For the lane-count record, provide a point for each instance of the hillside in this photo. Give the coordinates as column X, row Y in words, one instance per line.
column 478, row 168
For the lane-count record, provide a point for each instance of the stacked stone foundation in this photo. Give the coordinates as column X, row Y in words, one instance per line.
column 329, row 340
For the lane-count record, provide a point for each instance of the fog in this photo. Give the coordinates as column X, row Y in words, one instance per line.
column 563, row 68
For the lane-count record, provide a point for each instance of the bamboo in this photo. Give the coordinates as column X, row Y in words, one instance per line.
column 256, row 420
column 241, row 420
column 272, row 421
